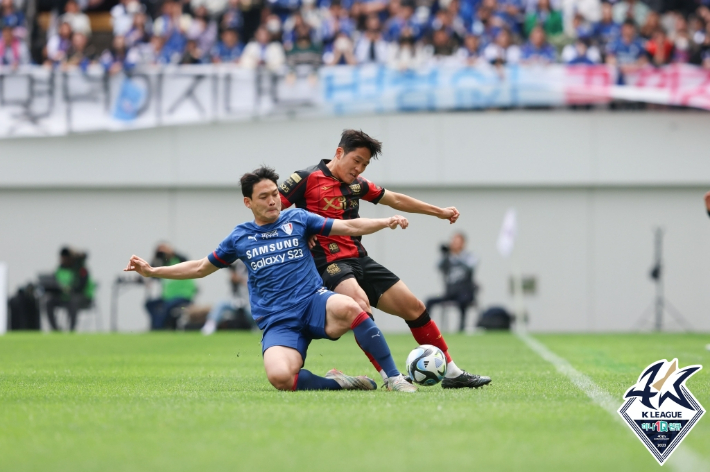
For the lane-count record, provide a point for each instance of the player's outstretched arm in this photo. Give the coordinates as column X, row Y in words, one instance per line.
column 362, row 226
column 402, row 202
column 183, row 270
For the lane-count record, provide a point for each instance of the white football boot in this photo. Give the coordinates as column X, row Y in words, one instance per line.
column 348, row 382
column 399, row 384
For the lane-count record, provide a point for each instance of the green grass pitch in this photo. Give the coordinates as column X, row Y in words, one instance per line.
column 183, row 402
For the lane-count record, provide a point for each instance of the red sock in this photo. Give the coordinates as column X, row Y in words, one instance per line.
column 429, row 334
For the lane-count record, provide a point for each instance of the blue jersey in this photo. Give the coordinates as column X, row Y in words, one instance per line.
column 282, row 273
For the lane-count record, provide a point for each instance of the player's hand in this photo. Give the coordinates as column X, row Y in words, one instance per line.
column 136, row 264
column 707, row 201
column 451, row 214
column 312, row 241
column 397, row 220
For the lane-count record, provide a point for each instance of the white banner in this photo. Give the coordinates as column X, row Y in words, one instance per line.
column 36, row 101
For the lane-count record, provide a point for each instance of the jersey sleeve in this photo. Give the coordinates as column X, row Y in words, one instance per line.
column 225, row 254
column 316, row 224
column 372, row 193
column 293, row 189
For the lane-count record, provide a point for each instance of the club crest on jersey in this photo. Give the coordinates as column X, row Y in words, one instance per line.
column 333, row 269
column 333, row 248
column 660, row 409
column 288, row 228
column 355, row 188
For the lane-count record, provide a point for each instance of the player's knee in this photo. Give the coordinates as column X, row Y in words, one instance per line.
column 414, row 310
column 352, row 310
column 281, row 379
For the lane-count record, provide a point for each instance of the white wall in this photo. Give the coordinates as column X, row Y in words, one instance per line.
column 588, row 187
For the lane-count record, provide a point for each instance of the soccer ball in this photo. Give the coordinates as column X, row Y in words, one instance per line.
column 426, row 365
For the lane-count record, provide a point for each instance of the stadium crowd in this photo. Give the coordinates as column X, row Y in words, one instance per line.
column 285, row 34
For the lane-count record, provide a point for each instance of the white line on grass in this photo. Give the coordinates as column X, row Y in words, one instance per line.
column 684, row 459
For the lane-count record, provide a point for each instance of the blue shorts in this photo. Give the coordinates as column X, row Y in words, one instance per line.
column 296, row 330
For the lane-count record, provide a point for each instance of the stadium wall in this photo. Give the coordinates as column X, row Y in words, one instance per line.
column 588, row 189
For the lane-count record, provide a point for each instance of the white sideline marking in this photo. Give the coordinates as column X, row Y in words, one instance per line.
column 684, row 459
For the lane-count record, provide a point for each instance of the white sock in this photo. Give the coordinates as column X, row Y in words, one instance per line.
column 452, row 370
column 383, row 374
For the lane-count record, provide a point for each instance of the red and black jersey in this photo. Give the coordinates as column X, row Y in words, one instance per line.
column 316, row 190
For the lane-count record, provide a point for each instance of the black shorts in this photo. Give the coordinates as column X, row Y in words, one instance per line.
column 373, row 278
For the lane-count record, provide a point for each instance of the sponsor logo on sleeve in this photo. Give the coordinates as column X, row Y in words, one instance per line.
column 660, row 409
column 295, row 177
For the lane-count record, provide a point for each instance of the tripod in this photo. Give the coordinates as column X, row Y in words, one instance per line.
column 660, row 304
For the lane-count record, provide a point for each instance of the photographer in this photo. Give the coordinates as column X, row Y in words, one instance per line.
column 458, row 267
column 174, row 293
column 73, row 290
column 239, row 301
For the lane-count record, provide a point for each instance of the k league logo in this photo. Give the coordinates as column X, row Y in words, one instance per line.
column 288, row 228
column 660, row 409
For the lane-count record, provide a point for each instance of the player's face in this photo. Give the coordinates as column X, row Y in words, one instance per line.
column 265, row 202
column 349, row 166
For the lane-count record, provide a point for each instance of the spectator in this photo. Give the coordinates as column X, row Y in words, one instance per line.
column 581, row 52
column 681, row 47
column 149, row 53
column 263, row 52
column 606, row 30
column 203, row 30
column 406, row 54
column 443, row 43
column 537, row 50
column 696, row 30
column 485, row 27
column 649, row 27
column 74, row 289
column 634, row 10
column 13, row 51
column 192, row 54
column 470, row 53
column 78, row 20
column 502, row 51
column 701, row 56
column 115, row 60
column 14, row 19
column 403, row 19
column 59, row 44
column 175, row 293
column 122, row 16
column 336, row 20
column 659, row 48
column 212, row 7
column 290, row 27
column 239, row 300
column 228, row 49
column 304, row 55
column 550, row 20
column 341, row 53
column 80, row 54
column 371, row 47
column 627, row 51
column 139, row 32
column 457, row 266
column 232, row 17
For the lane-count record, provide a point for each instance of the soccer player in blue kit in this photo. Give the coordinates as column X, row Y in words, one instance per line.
column 288, row 300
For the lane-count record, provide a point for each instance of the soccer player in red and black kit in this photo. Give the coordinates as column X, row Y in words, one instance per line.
column 333, row 189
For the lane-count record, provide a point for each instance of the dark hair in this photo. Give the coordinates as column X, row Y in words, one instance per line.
column 629, row 22
column 352, row 139
column 250, row 179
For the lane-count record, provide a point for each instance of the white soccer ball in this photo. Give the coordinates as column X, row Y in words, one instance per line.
column 426, row 365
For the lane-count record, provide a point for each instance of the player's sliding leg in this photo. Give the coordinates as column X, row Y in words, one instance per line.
column 398, row 300
column 342, row 313
column 351, row 288
column 283, row 369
